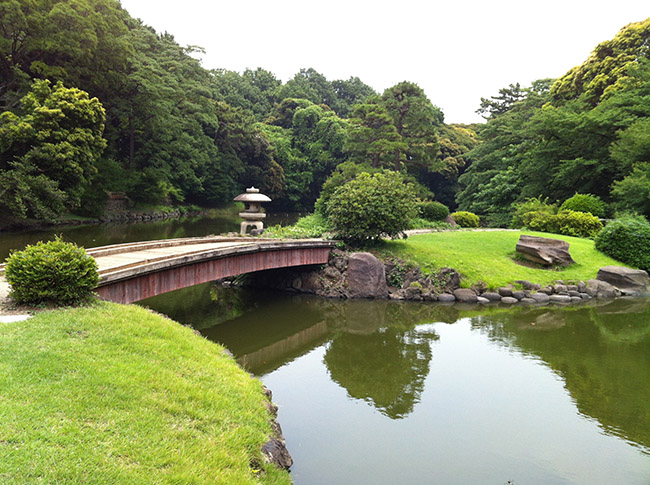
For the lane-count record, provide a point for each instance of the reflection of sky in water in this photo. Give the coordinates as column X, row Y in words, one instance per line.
column 487, row 415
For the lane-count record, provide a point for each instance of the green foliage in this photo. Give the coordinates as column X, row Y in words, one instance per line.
column 633, row 192
column 343, row 173
column 591, row 204
column 433, row 211
column 55, row 272
column 313, row 225
column 48, row 153
column 465, row 219
column 628, row 240
column 606, row 69
column 371, row 206
column 523, row 210
column 567, row 222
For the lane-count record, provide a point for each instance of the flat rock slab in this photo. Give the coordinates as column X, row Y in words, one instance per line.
column 630, row 281
column 545, row 251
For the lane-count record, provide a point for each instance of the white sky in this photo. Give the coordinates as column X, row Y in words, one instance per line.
column 457, row 51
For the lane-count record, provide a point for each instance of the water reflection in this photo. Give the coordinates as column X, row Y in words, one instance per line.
column 509, row 387
column 601, row 351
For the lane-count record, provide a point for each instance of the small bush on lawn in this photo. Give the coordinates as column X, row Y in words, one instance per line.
column 465, row 219
column 569, row 223
column 628, row 240
column 55, row 271
column 433, row 211
column 521, row 218
column 371, row 206
column 588, row 203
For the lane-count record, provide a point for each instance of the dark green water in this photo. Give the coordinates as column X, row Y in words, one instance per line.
column 383, row 392
column 94, row 235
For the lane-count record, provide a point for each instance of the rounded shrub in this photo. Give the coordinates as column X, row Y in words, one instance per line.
column 569, row 223
column 628, row 240
column 434, row 211
column 371, row 206
column 588, row 203
column 466, row 219
column 56, row 272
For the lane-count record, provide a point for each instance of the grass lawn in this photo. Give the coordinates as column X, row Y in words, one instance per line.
column 116, row 394
column 488, row 256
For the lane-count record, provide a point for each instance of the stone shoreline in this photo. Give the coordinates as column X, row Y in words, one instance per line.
column 362, row 275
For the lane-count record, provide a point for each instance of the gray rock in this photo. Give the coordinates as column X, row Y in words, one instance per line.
column 505, row 291
column 582, row 287
column 545, row 251
column 509, row 300
column 575, row 299
column 572, row 287
column 482, row 300
column 602, row 289
column 528, row 301
column 585, row 296
column 465, row 295
column 546, row 290
column 574, row 293
column 560, row 299
column 518, row 295
column 633, row 282
column 366, row 277
column 527, row 285
column 560, row 289
column 540, row 297
column 490, row 295
column 446, row 298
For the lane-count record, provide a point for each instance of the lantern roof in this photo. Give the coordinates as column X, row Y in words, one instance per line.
column 252, row 195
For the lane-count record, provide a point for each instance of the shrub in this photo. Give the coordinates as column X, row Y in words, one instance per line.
column 433, row 211
column 55, row 271
column 569, row 223
column 371, row 206
column 588, row 203
column 465, row 219
column 535, row 204
column 628, row 240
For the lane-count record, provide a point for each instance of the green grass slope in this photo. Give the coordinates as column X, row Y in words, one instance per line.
column 117, row 394
column 488, row 256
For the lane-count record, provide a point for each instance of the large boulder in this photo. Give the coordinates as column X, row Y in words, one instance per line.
column 629, row 281
column 602, row 289
column 366, row 277
column 546, row 251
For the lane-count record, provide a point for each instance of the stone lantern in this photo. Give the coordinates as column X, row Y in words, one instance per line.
column 252, row 214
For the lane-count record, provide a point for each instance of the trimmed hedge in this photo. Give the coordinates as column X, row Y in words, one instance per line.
column 466, row 219
column 433, row 211
column 627, row 240
column 56, row 272
column 569, row 223
column 588, row 203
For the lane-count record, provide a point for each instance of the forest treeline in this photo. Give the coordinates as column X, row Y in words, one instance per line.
column 93, row 101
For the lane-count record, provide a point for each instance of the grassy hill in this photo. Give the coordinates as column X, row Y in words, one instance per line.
column 116, row 394
column 489, row 256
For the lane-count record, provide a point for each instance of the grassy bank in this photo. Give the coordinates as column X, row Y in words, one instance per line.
column 116, row 394
column 488, row 256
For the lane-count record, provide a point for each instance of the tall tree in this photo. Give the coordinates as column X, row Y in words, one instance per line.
column 47, row 154
column 416, row 120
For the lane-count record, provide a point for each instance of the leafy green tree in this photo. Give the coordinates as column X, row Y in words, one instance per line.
column 373, row 137
column 348, row 93
column 502, row 102
column 48, row 152
column 415, row 119
column 607, row 68
column 372, row 206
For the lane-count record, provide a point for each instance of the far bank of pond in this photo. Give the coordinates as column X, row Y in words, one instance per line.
column 376, row 391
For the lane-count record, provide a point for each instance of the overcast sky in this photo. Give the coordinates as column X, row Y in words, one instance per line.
column 457, row 51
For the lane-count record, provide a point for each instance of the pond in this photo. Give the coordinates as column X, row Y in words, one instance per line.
column 94, row 235
column 395, row 392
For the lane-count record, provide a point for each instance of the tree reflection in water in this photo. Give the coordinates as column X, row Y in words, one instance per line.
column 601, row 351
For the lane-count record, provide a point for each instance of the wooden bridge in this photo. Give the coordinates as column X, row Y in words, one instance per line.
column 135, row 271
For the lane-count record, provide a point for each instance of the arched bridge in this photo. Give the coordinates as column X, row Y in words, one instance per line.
column 135, row 271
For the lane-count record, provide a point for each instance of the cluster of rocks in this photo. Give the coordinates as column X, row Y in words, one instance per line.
column 362, row 275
